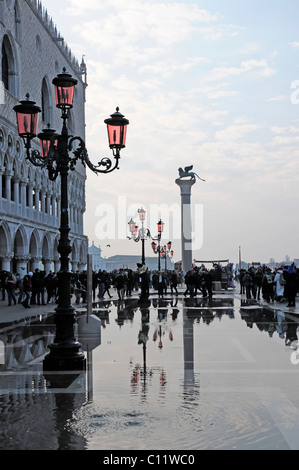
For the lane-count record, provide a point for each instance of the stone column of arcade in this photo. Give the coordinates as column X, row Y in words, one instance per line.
column 186, row 225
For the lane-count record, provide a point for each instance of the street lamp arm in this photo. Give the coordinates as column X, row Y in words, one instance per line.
column 135, row 239
column 80, row 153
column 35, row 158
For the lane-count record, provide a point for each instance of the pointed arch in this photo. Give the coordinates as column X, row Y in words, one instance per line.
column 5, row 237
column 20, row 241
column 46, row 100
column 34, row 244
column 9, row 66
column 46, row 247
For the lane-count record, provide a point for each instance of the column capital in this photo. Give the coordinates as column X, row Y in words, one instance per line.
column 185, row 185
column 5, row 256
column 23, row 258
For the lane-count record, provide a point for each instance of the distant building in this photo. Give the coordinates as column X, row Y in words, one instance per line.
column 123, row 261
column 130, row 262
column 97, row 261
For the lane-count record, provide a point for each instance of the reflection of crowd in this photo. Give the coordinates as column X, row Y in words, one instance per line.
column 279, row 284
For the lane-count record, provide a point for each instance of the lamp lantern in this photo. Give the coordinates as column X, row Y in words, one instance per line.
column 27, row 118
column 117, row 130
column 45, row 137
column 160, row 226
column 64, row 85
column 132, row 226
column 141, row 213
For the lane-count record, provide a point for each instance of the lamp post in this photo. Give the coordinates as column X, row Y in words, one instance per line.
column 140, row 234
column 158, row 248
column 55, row 156
column 166, row 252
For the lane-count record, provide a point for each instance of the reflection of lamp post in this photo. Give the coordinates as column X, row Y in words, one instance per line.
column 142, row 234
column 65, row 352
column 142, row 339
column 159, row 334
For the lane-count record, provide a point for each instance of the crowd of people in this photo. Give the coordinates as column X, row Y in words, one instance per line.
column 33, row 288
column 39, row 288
column 281, row 283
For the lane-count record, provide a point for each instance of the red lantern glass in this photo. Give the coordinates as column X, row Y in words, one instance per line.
column 117, row 130
column 141, row 213
column 64, row 90
column 27, row 118
column 160, row 226
column 45, row 140
column 132, row 226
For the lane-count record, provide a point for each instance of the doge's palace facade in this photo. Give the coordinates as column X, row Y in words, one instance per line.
column 32, row 54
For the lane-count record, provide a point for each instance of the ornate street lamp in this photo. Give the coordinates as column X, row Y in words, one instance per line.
column 56, row 158
column 166, row 252
column 157, row 248
column 142, row 234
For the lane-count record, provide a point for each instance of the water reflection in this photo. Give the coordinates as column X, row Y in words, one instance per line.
column 25, row 342
column 271, row 321
column 115, row 403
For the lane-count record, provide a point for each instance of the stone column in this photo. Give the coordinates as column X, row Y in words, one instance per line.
column 23, row 198
column 22, row 263
column 30, row 199
column 6, row 261
column 186, row 225
column 48, row 265
column 35, row 263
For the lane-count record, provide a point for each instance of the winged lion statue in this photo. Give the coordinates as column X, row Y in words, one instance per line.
column 186, row 172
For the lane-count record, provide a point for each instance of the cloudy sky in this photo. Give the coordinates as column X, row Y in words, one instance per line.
column 214, row 84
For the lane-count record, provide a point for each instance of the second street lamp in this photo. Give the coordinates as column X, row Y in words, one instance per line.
column 157, row 248
column 56, row 158
column 142, row 234
column 166, row 252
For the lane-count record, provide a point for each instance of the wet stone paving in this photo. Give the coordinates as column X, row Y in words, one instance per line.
column 170, row 373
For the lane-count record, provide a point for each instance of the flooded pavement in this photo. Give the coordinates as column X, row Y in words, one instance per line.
column 173, row 373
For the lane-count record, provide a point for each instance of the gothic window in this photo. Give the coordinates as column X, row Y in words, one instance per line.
column 46, row 107
column 4, row 67
column 2, row 11
column 38, row 44
column 9, row 70
column 18, row 33
column 27, row 195
column 3, row 186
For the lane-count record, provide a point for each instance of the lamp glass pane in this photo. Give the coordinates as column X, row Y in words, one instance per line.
column 117, row 136
column 64, row 96
column 27, row 123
